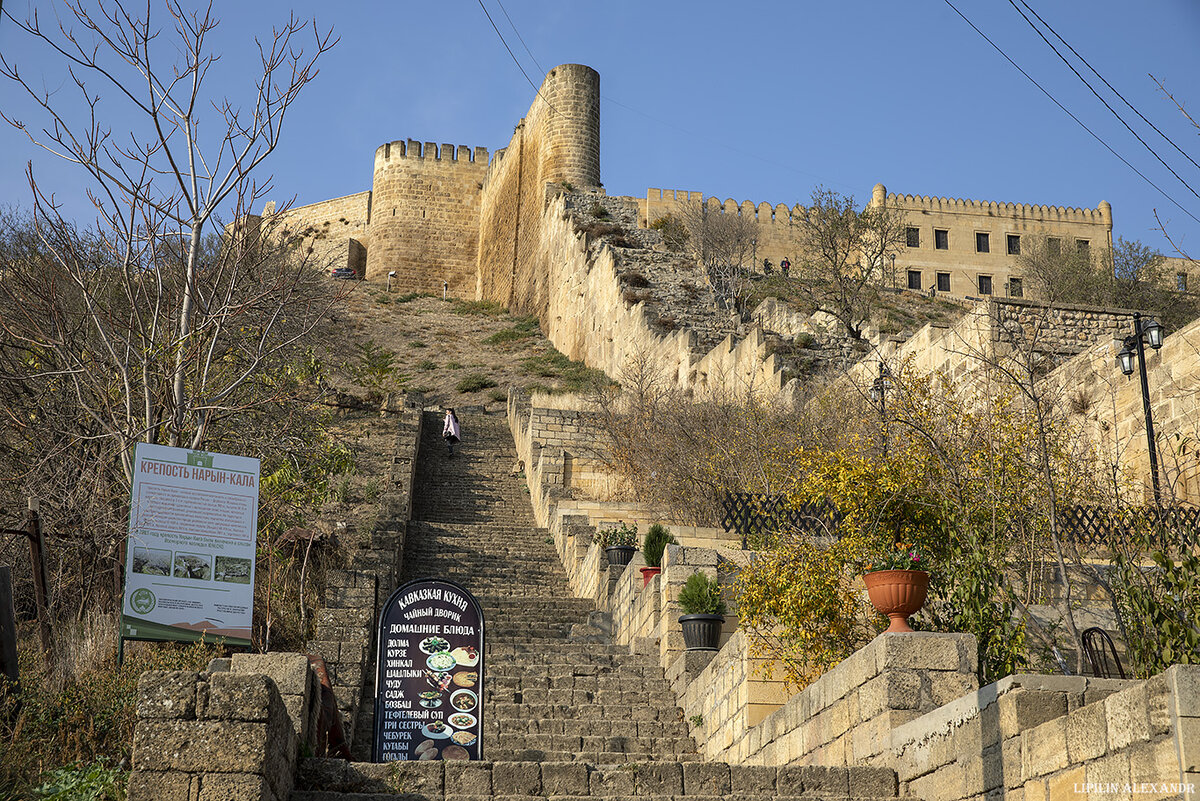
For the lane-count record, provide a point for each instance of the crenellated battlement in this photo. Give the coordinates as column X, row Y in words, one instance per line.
column 1102, row 214
column 662, row 199
column 412, row 149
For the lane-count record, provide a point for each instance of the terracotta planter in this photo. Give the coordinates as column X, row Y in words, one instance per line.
column 619, row 554
column 649, row 573
column 897, row 594
column 701, row 632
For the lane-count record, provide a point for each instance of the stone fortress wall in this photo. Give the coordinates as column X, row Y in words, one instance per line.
column 557, row 142
column 425, row 224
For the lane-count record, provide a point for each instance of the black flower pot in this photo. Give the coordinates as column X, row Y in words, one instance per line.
column 701, row 632
column 620, row 554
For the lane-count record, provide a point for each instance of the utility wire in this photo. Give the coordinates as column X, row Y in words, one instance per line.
column 1092, row 89
column 522, row 38
column 514, row 58
column 1110, row 86
column 1043, row 90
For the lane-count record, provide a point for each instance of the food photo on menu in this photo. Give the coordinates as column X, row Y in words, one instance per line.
column 454, row 728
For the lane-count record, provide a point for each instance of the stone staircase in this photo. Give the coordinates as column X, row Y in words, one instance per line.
column 566, row 713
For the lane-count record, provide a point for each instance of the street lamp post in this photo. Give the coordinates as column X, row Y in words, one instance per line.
column 1135, row 345
column 879, row 390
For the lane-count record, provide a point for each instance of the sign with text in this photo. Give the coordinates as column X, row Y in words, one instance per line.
column 429, row 679
column 189, row 561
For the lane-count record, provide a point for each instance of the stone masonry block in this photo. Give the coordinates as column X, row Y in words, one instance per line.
column 1159, row 704
column 1112, row 769
column 419, row 779
column 1128, row 721
column 1185, row 685
column 611, row 780
column 516, row 778
column 468, row 778
column 1087, row 734
column 289, row 671
column 167, row 694
column 1024, row 709
column 197, row 746
column 659, row 778
column 813, row 780
column 1153, row 763
column 706, row 778
column 868, row 782
column 924, row 650
column 1188, row 738
column 240, row 696
column 242, row 786
column 1045, row 748
column 145, row 785
column 752, row 779
column 564, row 778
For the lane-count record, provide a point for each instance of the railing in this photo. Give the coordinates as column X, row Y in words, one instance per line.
column 759, row 518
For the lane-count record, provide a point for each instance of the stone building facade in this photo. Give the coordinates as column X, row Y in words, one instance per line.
column 470, row 219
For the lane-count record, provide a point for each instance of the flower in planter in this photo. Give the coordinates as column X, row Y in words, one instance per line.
column 902, row 557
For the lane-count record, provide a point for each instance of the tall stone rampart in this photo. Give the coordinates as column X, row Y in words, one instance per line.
column 425, row 215
column 336, row 230
column 558, row 141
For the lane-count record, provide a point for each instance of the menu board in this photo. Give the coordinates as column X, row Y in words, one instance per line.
column 429, row 679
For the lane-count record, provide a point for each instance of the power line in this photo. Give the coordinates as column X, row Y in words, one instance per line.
column 514, row 58
column 1092, row 89
column 1043, row 90
column 1110, row 86
column 522, row 38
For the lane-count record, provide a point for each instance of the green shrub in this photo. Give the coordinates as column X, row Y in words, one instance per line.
column 416, row 343
column 623, row 534
column 426, row 364
column 499, row 395
column 411, row 296
column 452, row 365
column 701, row 596
column 656, row 542
column 473, row 382
column 100, row 780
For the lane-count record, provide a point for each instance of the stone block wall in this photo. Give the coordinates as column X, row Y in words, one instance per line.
column 1033, row 738
column 425, row 216
column 557, row 141
column 212, row 736
column 335, row 229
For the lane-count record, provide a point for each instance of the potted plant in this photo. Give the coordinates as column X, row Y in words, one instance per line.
column 656, row 542
column 897, row 584
column 703, row 613
column 618, row 543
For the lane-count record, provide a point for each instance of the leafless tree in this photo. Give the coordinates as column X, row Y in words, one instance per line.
column 844, row 252
column 722, row 243
column 153, row 322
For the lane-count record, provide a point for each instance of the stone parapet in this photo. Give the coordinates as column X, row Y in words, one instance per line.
column 204, row 736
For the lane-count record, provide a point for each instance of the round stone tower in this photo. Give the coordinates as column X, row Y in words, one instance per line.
column 569, row 119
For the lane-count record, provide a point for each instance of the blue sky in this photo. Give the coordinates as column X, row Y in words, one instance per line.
column 755, row 102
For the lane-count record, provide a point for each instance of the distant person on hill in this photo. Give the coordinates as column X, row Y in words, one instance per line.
column 450, row 431
column 784, row 266
column 766, row 266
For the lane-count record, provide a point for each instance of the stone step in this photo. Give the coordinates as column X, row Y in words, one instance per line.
column 611, row 777
column 636, row 710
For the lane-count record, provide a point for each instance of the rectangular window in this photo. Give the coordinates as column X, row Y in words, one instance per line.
column 913, row 237
column 943, row 282
column 1180, row 282
column 985, row 285
column 981, row 243
column 941, row 239
column 1083, row 247
column 1014, row 244
column 1053, row 246
column 1014, row 288
column 914, row 279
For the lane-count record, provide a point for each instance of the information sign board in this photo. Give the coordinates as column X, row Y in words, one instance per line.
column 430, row 679
column 189, row 563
